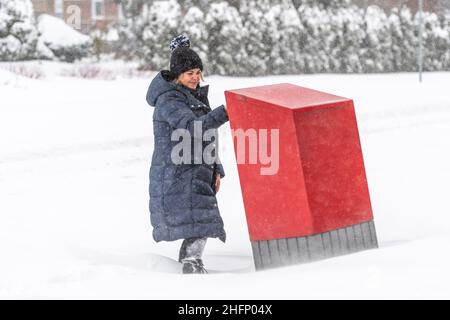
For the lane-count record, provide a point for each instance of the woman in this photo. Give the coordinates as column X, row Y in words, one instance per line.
column 183, row 202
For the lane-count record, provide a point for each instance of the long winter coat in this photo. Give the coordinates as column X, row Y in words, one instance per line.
column 183, row 203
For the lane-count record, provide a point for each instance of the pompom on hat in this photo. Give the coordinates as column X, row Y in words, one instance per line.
column 179, row 41
column 183, row 58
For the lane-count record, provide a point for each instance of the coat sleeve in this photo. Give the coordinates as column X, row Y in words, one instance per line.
column 218, row 169
column 173, row 110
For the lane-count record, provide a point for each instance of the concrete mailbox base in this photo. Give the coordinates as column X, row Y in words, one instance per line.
column 282, row 252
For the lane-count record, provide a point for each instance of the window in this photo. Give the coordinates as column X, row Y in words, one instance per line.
column 98, row 9
column 59, row 8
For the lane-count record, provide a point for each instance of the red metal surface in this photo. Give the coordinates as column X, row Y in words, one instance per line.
column 321, row 183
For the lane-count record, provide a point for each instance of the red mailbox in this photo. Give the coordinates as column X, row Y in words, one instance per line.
column 302, row 174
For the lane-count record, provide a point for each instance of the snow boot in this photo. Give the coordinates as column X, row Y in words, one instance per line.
column 190, row 255
column 193, row 266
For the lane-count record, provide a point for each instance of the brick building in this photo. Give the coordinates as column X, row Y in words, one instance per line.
column 83, row 15
column 428, row 5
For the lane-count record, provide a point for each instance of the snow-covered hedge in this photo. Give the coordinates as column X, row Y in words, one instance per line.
column 275, row 37
column 65, row 43
column 21, row 38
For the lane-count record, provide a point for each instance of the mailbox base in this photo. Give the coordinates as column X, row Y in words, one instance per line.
column 288, row 251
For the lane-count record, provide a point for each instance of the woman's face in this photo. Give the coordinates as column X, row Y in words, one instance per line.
column 190, row 78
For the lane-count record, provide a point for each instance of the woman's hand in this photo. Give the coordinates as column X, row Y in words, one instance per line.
column 217, row 182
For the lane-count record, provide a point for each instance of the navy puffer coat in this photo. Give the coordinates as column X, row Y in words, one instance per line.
column 183, row 203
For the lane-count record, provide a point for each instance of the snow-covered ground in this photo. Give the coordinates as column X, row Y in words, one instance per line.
column 74, row 160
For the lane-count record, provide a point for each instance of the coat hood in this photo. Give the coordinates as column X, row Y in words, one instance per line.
column 162, row 83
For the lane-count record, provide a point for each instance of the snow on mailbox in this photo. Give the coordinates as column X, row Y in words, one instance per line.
column 302, row 174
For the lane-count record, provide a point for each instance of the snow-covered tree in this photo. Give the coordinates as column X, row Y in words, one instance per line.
column 147, row 29
column 322, row 3
column 436, row 42
column 377, row 50
column 257, row 39
column 161, row 26
column 18, row 34
column 194, row 27
column 347, row 24
column 226, row 53
column 404, row 40
column 188, row 4
column 130, row 30
column 315, row 40
column 445, row 21
column 285, row 29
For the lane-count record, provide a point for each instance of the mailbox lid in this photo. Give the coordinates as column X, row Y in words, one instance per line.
column 289, row 96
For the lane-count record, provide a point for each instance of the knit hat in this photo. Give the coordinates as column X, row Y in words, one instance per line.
column 183, row 58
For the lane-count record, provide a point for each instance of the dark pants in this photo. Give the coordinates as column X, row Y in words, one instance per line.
column 192, row 249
